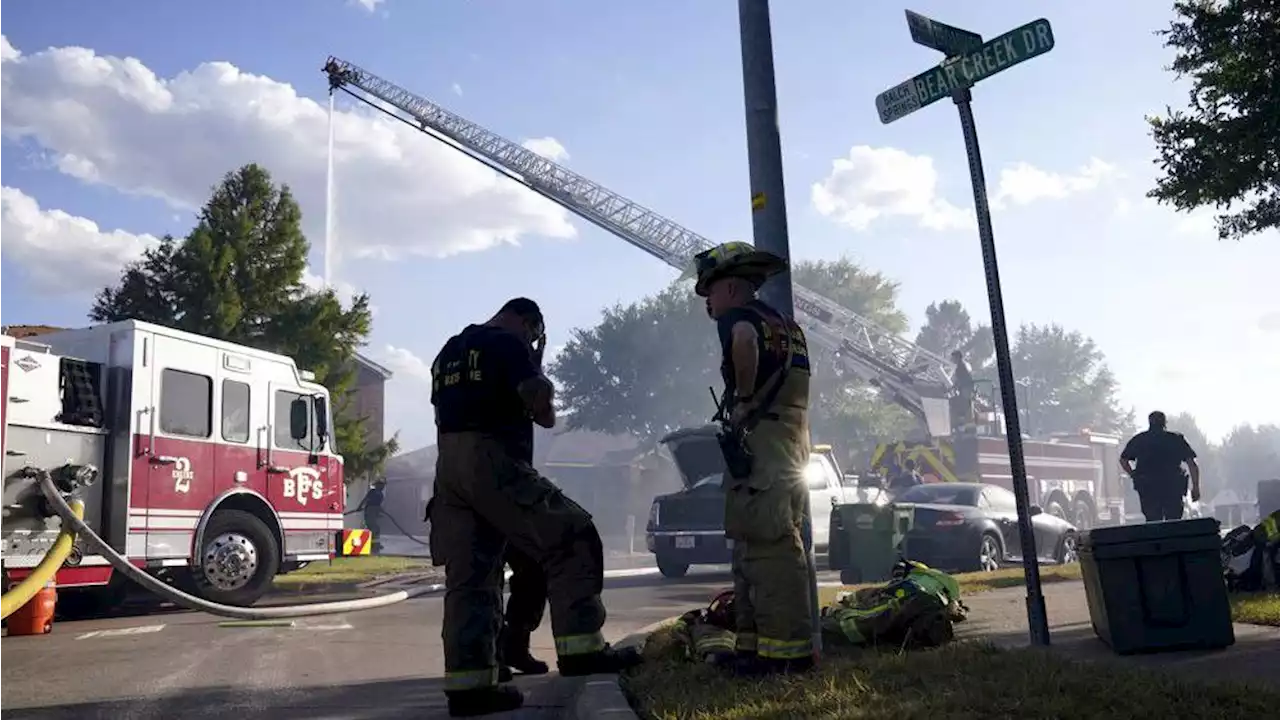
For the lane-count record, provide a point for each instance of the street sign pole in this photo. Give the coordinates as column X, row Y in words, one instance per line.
column 769, row 207
column 1037, row 619
column 969, row 61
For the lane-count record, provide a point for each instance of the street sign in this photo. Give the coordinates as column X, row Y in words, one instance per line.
column 964, row 71
column 946, row 39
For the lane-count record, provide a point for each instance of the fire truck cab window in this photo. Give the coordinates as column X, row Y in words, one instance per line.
column 282, row 422
column 235, row 411
column 186, row 404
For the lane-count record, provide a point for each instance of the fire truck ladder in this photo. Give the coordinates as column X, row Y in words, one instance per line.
column 908, row 374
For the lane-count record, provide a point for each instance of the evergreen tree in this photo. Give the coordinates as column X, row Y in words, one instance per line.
column 238, row 277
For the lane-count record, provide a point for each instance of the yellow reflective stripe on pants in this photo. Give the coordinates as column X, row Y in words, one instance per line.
column 785, row 649
column 745, row 642
column 470, row 679
column 579, row 644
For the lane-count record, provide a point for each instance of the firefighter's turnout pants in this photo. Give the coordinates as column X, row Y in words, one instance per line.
column 483, row 499
column 763, row 517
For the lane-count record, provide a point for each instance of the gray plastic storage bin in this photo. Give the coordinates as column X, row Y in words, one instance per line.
column 1157, row 586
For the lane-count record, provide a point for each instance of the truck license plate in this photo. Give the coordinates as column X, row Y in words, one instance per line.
column 684, row 542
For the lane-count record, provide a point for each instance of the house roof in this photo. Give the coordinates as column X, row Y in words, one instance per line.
column 26, row 331
column 380, row 369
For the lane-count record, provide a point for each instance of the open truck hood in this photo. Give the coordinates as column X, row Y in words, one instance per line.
column 696, row 453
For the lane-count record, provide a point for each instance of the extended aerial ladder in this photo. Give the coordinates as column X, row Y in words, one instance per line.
column 909, row 375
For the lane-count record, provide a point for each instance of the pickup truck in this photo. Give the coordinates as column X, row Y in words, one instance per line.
column 687, row 527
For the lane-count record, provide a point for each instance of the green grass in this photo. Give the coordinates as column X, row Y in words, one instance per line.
column 350, row 570
column 1261, row 608
column 961, row 681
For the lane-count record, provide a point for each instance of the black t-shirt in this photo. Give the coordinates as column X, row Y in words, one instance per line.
column 1159, row 455
column 774, row 334
column 374, row 497
column 474, row 383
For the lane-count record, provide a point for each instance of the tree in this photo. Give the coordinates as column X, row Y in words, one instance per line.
column 947, row 327
column 1224, row 150
column 1250, row 454
column 1068, row 385
column 238, row 277
column 646, row 368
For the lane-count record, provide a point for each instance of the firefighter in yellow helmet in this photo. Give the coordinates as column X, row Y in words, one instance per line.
column 766, row 373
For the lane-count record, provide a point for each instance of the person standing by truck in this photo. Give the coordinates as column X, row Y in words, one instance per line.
column 1158, row 478
column 765, row 364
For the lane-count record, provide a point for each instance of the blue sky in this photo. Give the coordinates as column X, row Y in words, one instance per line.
column 645, row 98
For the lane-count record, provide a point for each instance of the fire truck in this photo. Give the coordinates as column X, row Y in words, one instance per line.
column 214, row 463
column 1076, row 477
column 1073, row 476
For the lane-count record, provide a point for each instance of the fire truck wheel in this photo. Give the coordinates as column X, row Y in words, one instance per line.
column 1084, row 515
column 239, row 559
column 1056, row 509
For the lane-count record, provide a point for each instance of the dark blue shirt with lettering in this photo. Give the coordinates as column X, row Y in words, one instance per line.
column 474, row 383
column 1158, row 455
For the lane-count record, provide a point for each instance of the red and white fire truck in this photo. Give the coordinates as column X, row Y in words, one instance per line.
column 215, row 462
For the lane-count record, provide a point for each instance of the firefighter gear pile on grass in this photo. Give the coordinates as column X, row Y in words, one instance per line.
column 917, row 609
column 1251, row 556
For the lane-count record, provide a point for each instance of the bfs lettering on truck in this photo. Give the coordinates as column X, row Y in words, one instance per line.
column 216, row 461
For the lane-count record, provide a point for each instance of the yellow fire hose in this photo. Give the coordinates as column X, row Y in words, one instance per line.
column 44, row 572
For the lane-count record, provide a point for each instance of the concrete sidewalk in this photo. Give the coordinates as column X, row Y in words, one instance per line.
column 1000, row 617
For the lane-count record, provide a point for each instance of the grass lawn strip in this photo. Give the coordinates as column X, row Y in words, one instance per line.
column 1260, row 608
column 963, row 680
column 350, row 570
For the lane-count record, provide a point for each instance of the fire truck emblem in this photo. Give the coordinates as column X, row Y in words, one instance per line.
column 182, row 475
column 303, row 483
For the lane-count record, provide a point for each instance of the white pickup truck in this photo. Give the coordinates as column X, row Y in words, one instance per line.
column 687, row 527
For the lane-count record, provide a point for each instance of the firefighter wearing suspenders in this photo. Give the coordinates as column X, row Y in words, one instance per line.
column 765, row 438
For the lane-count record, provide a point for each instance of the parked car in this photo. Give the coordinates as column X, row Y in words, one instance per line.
column 687, row 527
column 974, row 526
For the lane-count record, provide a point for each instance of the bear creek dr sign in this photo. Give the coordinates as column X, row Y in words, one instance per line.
column 965, row 70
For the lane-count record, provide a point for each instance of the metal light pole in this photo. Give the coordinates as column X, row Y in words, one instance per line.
column 768, row 202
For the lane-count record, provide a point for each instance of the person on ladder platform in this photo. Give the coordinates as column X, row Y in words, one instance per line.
column 487, row 387
column 765, row 440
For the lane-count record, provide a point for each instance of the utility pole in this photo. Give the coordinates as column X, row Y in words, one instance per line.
column 769, row 206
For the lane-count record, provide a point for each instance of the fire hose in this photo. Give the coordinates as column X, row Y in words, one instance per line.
column 399, row 527
column 74, row 525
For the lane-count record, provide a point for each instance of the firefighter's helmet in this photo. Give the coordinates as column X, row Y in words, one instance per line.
column 734, row 259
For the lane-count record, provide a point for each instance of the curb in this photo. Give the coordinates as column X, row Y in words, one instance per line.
column 601, row 695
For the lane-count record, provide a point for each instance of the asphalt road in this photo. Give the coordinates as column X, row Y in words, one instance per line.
column 382, row 663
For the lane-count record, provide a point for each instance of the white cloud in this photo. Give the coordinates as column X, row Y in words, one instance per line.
column 884, row 182
column 457, row 89
column 1023, row 183
column 548, row 147
column 62, row 253
column 112, row 121
column 369, row 5
column 405, row 364
column 872, row 183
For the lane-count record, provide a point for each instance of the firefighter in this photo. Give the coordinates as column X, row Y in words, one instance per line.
column 962, row 419
column 371, row 504
column 766, row 372
column 1159, row 479
column 487, row 389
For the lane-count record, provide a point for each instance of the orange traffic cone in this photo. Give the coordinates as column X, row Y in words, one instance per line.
column 36, row 617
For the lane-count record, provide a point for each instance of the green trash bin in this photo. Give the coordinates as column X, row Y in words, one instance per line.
column 1157, row 586
column 865, row 540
